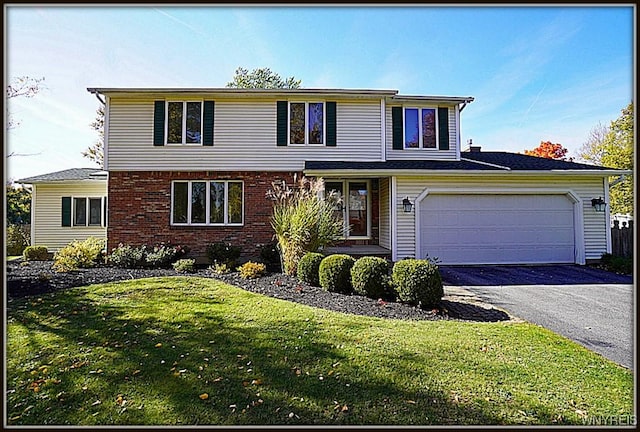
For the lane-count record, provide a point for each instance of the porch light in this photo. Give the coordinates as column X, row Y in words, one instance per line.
column 406, row 204
column 598, row 204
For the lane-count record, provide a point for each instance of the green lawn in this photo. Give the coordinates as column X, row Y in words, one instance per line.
column 193, row 351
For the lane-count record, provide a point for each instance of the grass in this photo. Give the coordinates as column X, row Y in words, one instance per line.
column 195, row 351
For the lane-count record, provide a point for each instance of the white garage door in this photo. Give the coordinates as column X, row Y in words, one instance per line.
column 497, row 229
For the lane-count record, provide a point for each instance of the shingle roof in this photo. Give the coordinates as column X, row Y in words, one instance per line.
column 521, row 162
column 470, row 161
column 67, row 175
column 398, row 165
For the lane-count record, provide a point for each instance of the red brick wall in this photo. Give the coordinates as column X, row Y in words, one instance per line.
column 140, row 206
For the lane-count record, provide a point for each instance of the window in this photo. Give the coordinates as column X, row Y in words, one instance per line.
column 184, row 122
column 354, row 208
column 207, row 203
column 86, row 211
column 307, row 123
column 420, row 128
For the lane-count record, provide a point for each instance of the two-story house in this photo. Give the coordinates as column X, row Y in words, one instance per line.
column 192, row 166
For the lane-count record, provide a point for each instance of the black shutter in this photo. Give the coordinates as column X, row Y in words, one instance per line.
column 66, row 211
column 396, row 127
column 158, row 123
column 443, row 128
column 282, row 114
column 207, row 120
column 331, row 124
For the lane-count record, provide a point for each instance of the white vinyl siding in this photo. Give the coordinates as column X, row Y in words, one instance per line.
column 244, row 138
column 594, row 227
column 384, row 214
column 47, row 229
column 416, row 154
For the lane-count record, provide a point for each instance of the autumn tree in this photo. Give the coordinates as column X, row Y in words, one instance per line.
column 262, row 78
column 95, row 152
column 549, row 150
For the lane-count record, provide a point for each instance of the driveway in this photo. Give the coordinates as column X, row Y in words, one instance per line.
column 589, row 306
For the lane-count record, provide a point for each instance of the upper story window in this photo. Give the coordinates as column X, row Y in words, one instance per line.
column 184, row 122
column 420, row 128
column 307, row 123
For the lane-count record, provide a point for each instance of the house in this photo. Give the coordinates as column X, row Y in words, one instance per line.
column 67, row 205
column 193, row 165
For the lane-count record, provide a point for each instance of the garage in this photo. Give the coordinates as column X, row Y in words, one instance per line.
column 497, row 228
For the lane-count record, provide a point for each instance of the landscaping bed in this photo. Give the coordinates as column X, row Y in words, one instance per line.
column 38, row 277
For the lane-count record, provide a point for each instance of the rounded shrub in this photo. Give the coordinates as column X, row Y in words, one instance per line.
column 309, row 268
column 370, row 277
column 35, row 253
column 335, row 273
column 417, row 282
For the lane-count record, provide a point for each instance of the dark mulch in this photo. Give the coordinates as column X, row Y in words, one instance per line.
column 38, row 277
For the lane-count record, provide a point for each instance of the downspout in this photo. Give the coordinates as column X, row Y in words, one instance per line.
column 620, row 179
column 98, row 97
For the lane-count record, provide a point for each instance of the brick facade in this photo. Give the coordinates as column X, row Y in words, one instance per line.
column 140, row 205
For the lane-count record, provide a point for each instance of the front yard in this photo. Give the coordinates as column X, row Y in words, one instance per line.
column 196, row 351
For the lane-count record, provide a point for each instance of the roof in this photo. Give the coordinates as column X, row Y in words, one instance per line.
column 469, row 161
column 73, row 174
column 336, row 92
column 521, row 162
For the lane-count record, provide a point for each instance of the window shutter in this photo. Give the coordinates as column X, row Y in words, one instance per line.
column 158, row 123
column 66, row 211
column 281, row 134
column 331, row 124
column 443, row 128
column 396, row 127
column 207, row 118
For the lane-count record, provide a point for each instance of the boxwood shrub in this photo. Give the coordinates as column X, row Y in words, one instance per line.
column 370, row 277
column 309, row 268
column 35, row 253
column 335, row 273
column 417, row 282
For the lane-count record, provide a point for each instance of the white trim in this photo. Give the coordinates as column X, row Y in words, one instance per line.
column 578, row 225
column 383, row 130
column 607, row 215
column 207, row 204
column 105, row 136
column 87, row 211
column 458, row 131
column 393, row 184
column 33, row 216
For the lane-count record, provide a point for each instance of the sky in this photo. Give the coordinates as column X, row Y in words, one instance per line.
column 537, row 73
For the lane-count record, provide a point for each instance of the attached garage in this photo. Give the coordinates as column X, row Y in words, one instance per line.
column 465, row 228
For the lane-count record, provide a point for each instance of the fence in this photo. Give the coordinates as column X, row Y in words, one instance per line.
column 622, row 239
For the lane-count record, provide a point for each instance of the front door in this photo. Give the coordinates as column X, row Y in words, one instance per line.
column 354, row 208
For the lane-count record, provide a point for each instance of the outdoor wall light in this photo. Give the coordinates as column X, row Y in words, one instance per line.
column 598, row 204
column 406, row 205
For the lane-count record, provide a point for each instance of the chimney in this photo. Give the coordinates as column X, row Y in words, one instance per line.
column 472, row 148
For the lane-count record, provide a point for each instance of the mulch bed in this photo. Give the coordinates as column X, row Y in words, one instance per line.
column 38, row 277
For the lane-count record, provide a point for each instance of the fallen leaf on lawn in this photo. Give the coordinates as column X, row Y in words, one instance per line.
column 412, row 402
column 204, row 396
column 245, row 383
column 136, row 372
column 581, row 413
column 98, row 402
column 217, row 379
column 158, row 345
column 256, row 382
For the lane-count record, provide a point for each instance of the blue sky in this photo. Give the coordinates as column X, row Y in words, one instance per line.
column 536, row 73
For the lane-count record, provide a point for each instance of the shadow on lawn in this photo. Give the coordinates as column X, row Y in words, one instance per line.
column 292, row 373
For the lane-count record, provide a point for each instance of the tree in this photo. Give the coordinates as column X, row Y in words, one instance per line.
column 22, row 86
column 548, row 150
column 262, row 78
column 96, row 151
column 592, row 150
column 18, row 205
column 617, row 152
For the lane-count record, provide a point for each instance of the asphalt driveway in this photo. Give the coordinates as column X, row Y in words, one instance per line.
column 590, row 306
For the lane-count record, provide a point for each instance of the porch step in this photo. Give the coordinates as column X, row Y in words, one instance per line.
column 359, row 250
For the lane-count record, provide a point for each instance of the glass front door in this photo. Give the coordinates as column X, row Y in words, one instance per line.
column 353, row 209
